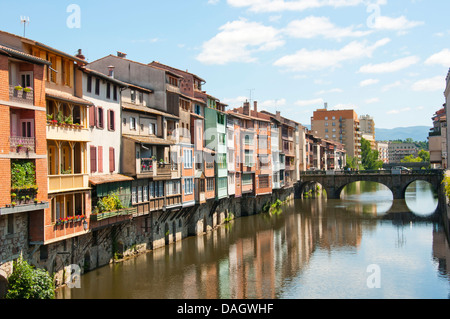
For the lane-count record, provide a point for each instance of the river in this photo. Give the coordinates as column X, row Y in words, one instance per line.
column 356, row 247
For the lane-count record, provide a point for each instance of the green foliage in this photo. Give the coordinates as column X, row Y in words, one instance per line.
column 109, row 203
column 23, row 174
column 369, row 156
column 423, row 157
column 446, row 183
column 352, row 162
column 26, row 282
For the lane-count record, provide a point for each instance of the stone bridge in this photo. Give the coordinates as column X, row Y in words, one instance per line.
column 396, row 180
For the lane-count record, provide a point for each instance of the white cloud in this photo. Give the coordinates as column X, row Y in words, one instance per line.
column 391, row 86
column 406, row 109
column 297, row 5
column 309, row 102
column 372, row 100
column 272, row 104
column 368, row 82
column 389, row 66
column 431, row 84
column 311, row 27
column 344, row 106
column 394, row 24
column 442, row 58
column 305, row 60
column 237, row 41
column 336, row 90
column 235, row 102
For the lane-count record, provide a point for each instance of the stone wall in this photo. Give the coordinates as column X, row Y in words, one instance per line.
column 124, row 240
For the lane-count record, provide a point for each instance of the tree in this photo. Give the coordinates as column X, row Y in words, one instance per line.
column 369, row 156
column 26, row 282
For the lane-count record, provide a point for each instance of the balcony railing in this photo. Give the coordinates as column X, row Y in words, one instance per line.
column 105, row 215
column 22, row 144
column 146, row 165
column 57, row 183
column 21, row 96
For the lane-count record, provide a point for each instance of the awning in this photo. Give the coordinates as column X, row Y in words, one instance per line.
column 149, row 140
column 55, row 94
column 104, row 179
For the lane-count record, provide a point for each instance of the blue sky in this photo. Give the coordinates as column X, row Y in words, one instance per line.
column 385, row 58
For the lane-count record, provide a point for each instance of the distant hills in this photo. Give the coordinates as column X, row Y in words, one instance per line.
column 417, row 133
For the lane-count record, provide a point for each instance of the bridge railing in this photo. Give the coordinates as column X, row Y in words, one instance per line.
column 373, row 172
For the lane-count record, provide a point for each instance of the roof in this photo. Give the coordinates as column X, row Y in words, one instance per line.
column 141, row 108
column 103, row 179
column 22, row 55
column 161, row 65
column 148, row 140
column 103, row 76
column 59, row 95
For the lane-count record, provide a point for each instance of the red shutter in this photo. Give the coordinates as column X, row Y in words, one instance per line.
column 93, row 159
column 92, row 116
column 100, row 159
column 112, row 166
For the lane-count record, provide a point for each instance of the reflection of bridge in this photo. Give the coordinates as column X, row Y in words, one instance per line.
column 397, row 181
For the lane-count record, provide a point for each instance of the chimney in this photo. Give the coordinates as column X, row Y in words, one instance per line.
column 246, row 108
column 80, row 55
column 111, row 71
column 255, row 107
column 278, row 116
column 121, row 55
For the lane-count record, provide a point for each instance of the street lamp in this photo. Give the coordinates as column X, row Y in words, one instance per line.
column 85, row 225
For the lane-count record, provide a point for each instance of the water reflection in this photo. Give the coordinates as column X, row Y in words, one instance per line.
column 421, row 198
column 315, row 249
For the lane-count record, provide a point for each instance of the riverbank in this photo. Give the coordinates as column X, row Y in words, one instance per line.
column 131, row 238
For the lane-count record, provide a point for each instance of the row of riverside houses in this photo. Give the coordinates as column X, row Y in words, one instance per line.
column 88, row 148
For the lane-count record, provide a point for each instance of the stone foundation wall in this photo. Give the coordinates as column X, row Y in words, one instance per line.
column 101, row 247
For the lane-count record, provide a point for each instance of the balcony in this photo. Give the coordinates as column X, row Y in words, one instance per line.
column 20, row 95
column 67, row 132
column 146, row 165
column 21, row 144
column 105, row 215
column 67, row 182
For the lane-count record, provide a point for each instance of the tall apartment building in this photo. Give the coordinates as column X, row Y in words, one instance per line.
column 398, row 151
column 367, row 125
column 340, row 126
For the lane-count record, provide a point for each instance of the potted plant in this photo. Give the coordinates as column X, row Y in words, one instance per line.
column 18, row 88
column 27, row 89
column 19, row 147
column 13, row 204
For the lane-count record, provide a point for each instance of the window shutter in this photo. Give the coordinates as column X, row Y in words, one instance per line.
column 100, row 159
column 93, row 159
column 92, row 116
column 112, row 167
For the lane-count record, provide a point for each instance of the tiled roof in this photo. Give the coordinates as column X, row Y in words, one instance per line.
column 50, row 93
column 22, row 55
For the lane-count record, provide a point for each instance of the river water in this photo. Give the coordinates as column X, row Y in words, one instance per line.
column 361, row 246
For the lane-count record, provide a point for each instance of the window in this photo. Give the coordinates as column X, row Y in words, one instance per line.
column 152, row 128
column 248, row 161
column 223, row 183
column 220, row 118
column 247, row 179
column 132, row 123
column 145, row 193
column 111, row 120
column 139, row 195
column 264, row 181
column 100, row 122
column 26, row 79
column 187, row 158
column 97, row 86
column 173, row 81
column 89, row 84
column 222, row 139
column 210, row 184
column 173, row 188
column 141, row 98
column 188, row 186
column 248, row 140
column 115, row 93
column 133, row 195
column 53, row 69
column 151, row 186
column 65, row 77
column 108, row 90
column 133, row 96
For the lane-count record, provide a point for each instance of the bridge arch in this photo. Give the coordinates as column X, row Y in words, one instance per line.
column 340, row 188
